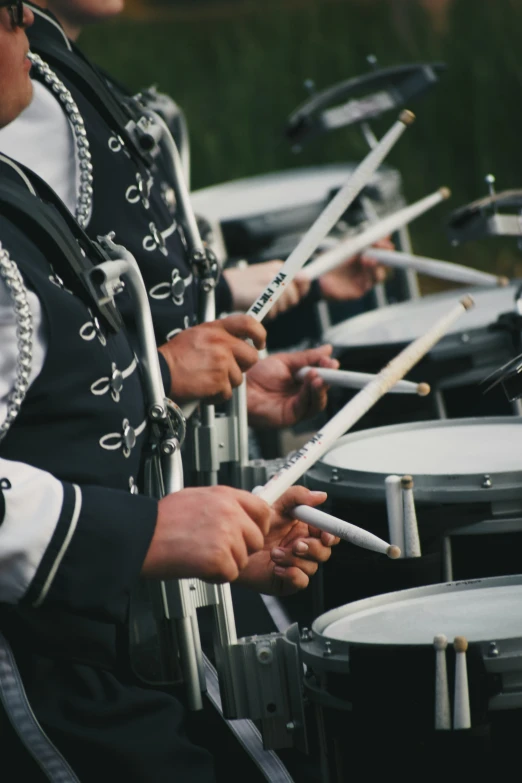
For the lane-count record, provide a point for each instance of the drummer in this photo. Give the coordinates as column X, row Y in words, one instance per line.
column 240, row 287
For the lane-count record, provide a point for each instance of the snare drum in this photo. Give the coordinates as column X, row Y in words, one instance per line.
column 469, row 352
column 371, row 677
column 468, row 495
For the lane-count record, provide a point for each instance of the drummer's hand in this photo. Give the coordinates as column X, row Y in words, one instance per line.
column 247, row 283
column 355, row 277
column 208, row 361
column 292, row 550
column 276, row 399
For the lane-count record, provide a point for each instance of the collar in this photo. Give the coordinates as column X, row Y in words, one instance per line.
column 46, row 25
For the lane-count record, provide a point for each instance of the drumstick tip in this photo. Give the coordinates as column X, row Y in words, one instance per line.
column 407, row 117
column 460, row 644
column 407, row 482
column 423, row 389
column 440, row 642
column 445, row 192
column 502, row 281
column 393, row 552
column 467, row 302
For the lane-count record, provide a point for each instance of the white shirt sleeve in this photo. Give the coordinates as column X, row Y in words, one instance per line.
column 33, row 504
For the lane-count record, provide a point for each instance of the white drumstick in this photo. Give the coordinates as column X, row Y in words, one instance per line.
column 445, row 270
column 442, row 702
column 329, row 217
column 356, row 244
column 345, row 530
column 412, row 547
column 396, row 369
column 393, row 489
column 358, row 380
column 461, row 708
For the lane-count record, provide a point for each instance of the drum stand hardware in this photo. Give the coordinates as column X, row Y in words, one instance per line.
column 484, row 218
column 174, row 598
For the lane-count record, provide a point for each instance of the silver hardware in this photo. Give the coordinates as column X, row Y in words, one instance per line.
column 487, row 483
column 11, row 276
column 465, row 338
column 493, row 651
column 327, row 649
column 116, row 382
column 335, row 474
column 264, row 654
column 85, row 188
column 129, row 437
column 133, row 487
column 157, row 412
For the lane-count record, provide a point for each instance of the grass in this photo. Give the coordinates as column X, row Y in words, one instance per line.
column 238, row 75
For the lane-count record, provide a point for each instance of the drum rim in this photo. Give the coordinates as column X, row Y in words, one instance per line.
column 332, row 334
column 437, row 487
column 320, row 624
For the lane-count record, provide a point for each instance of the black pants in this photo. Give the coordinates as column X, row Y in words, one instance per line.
column 107, row 726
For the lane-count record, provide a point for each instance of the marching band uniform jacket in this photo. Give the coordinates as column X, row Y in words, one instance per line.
column 73, row 536
column 130, row 197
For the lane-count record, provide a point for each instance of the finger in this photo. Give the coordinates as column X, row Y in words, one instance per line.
column 235, row 376
column 298, row 496
column 311, row 549
column 256, row 508
column 312, row 398
column 292, row 578
column 245, row 327
column 312, row 356
column 244, row 354
column 224, row 395
column 328, row 539
column 329, row 363
column 303, row 285
column 251, row 536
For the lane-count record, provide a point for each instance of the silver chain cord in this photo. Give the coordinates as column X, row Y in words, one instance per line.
column 85, row 187
column 11, row 276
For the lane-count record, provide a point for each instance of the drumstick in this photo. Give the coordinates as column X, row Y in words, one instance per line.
column 356, row 244
column 329, row 217
column 392, row 486
column 412, row 547
column 345, row 530
column 429, row 266
column 306, row 456
column 461, row 709
column 358, row 380
column 442, row 702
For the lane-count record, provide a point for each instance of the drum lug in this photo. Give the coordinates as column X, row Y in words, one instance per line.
column 487, row 483
column 268, row 687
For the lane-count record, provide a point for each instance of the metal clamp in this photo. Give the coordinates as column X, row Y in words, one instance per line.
column 267, row 678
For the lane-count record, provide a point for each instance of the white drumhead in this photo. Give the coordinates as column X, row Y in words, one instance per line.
column 488, row 613
column 401, row 323
column 428, row 448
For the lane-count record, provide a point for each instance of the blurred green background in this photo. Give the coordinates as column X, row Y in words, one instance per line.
column 238, row 68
